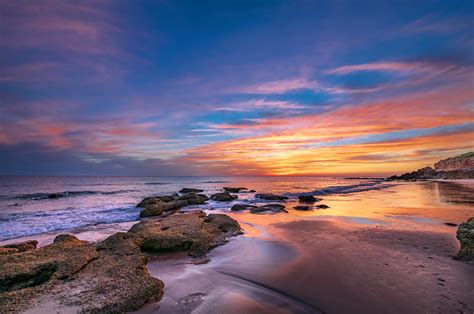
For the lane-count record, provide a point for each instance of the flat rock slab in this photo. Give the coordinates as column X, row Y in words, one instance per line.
column 70, row 275
column 233, row 190
column 194, row 232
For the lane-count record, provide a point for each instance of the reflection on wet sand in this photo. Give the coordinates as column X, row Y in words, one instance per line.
column 379, row 251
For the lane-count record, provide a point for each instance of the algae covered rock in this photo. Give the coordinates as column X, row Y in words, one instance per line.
column 194, row 232
column 465, row 235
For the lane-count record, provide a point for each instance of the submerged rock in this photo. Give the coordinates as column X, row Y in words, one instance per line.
column 302, row 207
column 240, row 207
column 465, row 235
column 190, row 190
column 275, row 208
column 308, row 199
column 233, row 190
column 157, row 209
column 22, row 246
column 322, row 206
column 223, row 197
column 71, row 275
column 194, row 232
column 271, row 197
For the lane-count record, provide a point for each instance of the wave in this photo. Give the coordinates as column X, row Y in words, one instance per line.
column 14, row 225
column 213, row 182
column 349, row 189
column 55, row 195
column 156, row 183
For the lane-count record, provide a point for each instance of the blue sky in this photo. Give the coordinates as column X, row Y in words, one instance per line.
column 187, row 87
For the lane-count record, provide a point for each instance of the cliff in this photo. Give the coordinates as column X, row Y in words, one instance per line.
column 463, row 162
column 460, row 167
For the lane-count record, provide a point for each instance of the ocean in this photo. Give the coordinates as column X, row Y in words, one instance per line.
column 32, row 205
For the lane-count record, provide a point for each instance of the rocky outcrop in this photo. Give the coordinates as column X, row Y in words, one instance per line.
column 308, row 198
column 160, row 205
column 465, row 235
column 233, row 190
column 193, row 198
column 71, row 275
column 194, row 232
column 271, row 197
column 322, row 206
column 223, row 197
column 463, row 162
column 157, row 199
column 461, row 167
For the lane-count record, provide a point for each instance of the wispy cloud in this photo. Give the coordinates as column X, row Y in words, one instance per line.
column 281, row 86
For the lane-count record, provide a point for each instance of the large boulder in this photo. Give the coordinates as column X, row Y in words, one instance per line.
column 271, row 197
column 158, row 209
column 194, row 232
column 190, row 190
column 157, row 199
column 223, row 197
column 233, row 190
column 465, row 235
column 70, row 275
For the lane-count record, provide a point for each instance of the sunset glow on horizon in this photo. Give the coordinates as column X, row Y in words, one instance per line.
column 234, row 88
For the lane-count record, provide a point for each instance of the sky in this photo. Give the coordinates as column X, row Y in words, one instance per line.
column 234, row 87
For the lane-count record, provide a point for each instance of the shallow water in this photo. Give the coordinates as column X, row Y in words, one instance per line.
column 379, row 247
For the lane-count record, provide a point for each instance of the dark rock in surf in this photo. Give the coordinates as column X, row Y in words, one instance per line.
column 158, row 209
column 275, row 208
column 271, row 197
column 233, row 190
column 223, row 197
column 308, row 199
column 465, row 235
column 190, row 190
column 194, row 232
column 302, row 207
column 193, row 198
column 240, row 207
column 322, row 206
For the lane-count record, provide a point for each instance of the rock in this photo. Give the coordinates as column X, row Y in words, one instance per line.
column 5, row 251
column 302, row 207
column 271, row 197
column 23, row 246
column 450, row 224
column 275, row 208
column 322, row 206
column 465, row 235
column 252, row 191
column 240, row 207
column 308, row 199
column 223, row 197
column 233, row 190
column 204, row 197
column 157, row 199
column 193, row 198
column 194, row 232
column 71, row 275
column 189, row 190
column 55, row 195
column 158, row 208
column 148, row 201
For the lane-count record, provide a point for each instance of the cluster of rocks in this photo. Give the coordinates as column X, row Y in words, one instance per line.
column 309, row 201
column 109, row 276
column 460, row 167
